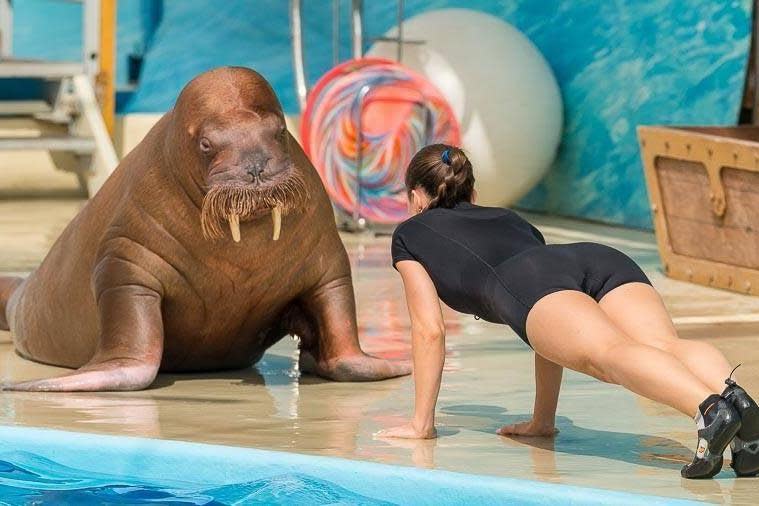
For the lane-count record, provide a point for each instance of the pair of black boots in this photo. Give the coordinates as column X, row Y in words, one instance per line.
column 731, row 418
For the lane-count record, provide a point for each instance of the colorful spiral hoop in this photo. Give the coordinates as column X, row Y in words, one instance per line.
column 400, row 113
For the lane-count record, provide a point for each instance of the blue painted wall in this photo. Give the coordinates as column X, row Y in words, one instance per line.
column 622, row 64
column 619, row 63
column 52, row 29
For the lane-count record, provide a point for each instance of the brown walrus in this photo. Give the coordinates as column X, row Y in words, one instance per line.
column 212, row 240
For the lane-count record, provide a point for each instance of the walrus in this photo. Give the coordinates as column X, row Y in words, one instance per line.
column 212, row 240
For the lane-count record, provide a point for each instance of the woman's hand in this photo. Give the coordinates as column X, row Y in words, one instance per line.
column 528, row 429
column 407, row 431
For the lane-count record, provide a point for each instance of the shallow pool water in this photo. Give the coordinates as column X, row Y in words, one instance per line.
column 31, row 479
column 40, row 466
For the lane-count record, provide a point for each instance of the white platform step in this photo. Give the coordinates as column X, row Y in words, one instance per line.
column 80, row 145
column 24, row 107
column 39, row 69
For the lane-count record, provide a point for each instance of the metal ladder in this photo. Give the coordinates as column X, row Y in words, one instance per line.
column 60, row 98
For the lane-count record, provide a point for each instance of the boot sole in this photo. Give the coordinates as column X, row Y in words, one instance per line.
column 746, row 464
column 711, row 474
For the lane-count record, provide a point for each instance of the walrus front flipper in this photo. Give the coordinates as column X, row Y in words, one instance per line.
column 7, row 286
column 130, row 348
column 335, row 353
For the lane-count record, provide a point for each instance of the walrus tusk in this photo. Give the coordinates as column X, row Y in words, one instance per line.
column 234, row 226
column 276, row 219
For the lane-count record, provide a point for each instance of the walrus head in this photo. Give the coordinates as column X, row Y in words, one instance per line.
column 237, row 133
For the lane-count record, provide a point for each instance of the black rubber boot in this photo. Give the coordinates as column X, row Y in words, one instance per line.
column 722, row 423
column 745, row 446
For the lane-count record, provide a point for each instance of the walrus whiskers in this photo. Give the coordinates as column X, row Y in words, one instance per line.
column 232, row 203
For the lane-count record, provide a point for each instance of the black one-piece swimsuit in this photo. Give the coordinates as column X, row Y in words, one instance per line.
column 491, row 263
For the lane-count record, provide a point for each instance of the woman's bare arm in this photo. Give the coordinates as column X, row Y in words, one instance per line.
column 547, row 386
column 428, row 348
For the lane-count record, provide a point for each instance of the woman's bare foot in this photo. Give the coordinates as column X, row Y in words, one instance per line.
column 528, row 429
column 407, row 431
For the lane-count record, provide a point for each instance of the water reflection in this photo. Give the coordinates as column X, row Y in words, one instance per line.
column 422, row 451
column 270, row 406
column 643, row 450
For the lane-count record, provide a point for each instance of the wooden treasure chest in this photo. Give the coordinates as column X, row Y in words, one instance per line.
column 703, row 184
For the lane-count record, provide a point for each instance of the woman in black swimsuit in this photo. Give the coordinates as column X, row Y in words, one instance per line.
column 584, row 306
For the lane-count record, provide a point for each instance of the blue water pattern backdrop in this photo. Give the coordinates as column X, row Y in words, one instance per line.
column 619, row 64
column 26, row 478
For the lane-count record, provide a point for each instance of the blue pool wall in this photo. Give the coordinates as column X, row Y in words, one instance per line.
column 619, row 64
column 180, row 465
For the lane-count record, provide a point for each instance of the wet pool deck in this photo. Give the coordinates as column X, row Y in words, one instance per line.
column 609, row 438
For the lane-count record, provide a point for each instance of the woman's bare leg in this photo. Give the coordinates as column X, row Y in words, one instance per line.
column 638, row 310
column 570, row 329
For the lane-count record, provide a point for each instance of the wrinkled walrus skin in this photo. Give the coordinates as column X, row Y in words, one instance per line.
column 148, row 275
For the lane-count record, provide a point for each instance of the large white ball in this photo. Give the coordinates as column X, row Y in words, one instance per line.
column 501, row 89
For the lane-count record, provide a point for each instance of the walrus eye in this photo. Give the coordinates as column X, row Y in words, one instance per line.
column 282, row 134
column 205, row 145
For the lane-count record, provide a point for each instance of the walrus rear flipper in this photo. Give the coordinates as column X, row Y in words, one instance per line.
column 7, row 286
column 129, row 352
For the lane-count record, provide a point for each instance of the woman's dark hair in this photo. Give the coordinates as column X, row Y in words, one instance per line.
column 444, row 173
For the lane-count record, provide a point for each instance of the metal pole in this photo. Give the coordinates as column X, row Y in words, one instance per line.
column 296, row 29
column 755, row 49
column 429, row 128
column 358, row 221
column 400, row 31
column 335, row 32
column 6, row 29
column 91, row 37
column 357, row 27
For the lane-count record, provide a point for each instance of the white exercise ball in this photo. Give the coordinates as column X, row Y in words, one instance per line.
column 501, row 89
